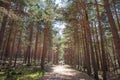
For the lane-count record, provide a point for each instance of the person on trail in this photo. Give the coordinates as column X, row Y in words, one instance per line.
column 61, row 62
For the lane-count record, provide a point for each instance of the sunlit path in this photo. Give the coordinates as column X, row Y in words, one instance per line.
column 36, row 35
column 64, row 72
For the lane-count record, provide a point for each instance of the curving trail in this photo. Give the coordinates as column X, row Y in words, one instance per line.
column 64, row 72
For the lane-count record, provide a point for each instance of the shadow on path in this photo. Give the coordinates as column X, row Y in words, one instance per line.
column 64, row 72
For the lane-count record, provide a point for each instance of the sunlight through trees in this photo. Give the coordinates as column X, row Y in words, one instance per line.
column 84, row 34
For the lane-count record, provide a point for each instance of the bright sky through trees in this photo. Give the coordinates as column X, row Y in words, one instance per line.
column 59, row 25
column 38, row 35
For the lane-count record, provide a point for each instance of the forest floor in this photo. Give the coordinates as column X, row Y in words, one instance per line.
column 21, row 72
column 64, row 72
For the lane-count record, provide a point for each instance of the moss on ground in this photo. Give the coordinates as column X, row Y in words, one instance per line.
column 23, row 73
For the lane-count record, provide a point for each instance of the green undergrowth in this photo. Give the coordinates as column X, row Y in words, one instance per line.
column 24, row 73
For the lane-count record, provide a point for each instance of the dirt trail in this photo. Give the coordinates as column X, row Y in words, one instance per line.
column 64, row 72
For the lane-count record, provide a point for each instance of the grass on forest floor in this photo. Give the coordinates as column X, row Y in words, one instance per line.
column 23, row 73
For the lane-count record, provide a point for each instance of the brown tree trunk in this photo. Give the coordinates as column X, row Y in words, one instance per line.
column 87, row 53
column 104, row 63
column 18, row 48
column 44, row 52
column 36, row 44
column 98, row 45
column 95, row 47
column 3, row 25
column 30, row 45
column 92, row 52
column 2, row 30
column 7, row 50
column 113, row 28
column 12, row 48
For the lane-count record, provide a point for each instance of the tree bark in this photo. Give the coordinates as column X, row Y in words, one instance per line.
column 30, row 45
column 113, row 28
column 18, row 48
column 36, row 44
column 44, row 52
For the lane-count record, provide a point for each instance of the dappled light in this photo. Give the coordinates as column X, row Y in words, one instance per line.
column 59, row 39
column 64, row 70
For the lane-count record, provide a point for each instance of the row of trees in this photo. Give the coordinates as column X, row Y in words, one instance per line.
column 92, row 42
column 92, row 36
column 26, row 31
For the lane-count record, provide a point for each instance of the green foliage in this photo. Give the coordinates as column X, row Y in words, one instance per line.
column 24, row 73
column 10, row 14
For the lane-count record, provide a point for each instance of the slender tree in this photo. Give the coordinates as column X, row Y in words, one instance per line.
column 113, row 28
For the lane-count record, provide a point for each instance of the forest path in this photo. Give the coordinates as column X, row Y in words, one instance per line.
column 64, row 72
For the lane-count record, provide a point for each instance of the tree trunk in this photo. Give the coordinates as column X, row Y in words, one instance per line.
column 12, row 47
column 113, row 28
column 3, row 26
column 91, row 46
column 18, row 48
column 7, row 50
column 30, row 45
column 36, row 44
column 44, row 52
column 104, row 63
column 2, row 30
